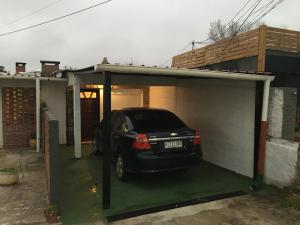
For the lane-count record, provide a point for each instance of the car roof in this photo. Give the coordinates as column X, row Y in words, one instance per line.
column 140, row 109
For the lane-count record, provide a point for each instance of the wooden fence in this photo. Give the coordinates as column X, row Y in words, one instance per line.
column 283, row 40
column 248, row 44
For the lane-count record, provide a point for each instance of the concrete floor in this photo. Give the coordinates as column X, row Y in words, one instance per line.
column 81, row 205
column 244, row 210
column 24, row 202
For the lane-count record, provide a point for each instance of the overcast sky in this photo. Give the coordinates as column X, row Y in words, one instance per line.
column 143, row 31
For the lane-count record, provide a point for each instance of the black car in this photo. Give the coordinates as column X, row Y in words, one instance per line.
column 150, row 140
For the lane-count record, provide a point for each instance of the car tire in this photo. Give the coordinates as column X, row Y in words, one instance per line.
column 121, row 169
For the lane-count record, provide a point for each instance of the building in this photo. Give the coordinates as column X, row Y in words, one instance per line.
column 75, row 98
column 23, row 93
column 265, row 49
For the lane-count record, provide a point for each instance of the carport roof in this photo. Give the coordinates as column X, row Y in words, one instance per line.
column 170, row 72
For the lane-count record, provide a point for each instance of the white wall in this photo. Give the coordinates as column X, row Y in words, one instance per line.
column 163, row 97
column 224, row 111
column 123, row 98
column 281, row 162
column 54, row 94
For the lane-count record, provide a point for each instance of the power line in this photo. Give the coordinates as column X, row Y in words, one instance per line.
column 245, row 20
column 244, row 6
column 261, row 10
column 252, row 12
column 55, row 19
column 253, row 6
column 239, row 28
column 258, row 18
column 31, row 13
column 178, row 52
column 203, row 41
column 228, row 23
column 263, row 7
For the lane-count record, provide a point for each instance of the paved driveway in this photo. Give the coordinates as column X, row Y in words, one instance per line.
column 245, row 210
column 24, row 202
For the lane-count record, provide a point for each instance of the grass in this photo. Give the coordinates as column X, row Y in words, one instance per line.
column 81, row 182
column 290, row 198
column 8, row 170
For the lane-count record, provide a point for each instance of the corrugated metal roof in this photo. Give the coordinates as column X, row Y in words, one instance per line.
column 179, row 72
column 23, row 74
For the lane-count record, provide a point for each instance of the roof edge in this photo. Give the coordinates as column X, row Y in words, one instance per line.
column 179, row 72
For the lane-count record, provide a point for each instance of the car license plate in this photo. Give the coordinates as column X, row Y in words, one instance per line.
column 173, row 144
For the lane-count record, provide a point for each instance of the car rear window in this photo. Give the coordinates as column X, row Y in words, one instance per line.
column 154, row 120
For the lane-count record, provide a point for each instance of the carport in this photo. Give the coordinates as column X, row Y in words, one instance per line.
column 230, row 109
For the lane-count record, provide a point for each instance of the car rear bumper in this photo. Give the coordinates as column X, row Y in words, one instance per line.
column 147, row 163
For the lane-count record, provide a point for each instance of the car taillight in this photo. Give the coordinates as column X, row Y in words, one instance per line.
column 141, row 142
column 197, row 140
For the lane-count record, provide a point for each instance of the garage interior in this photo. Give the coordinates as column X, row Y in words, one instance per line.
column 227, row 108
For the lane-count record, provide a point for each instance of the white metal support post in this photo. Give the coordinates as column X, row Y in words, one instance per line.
column 38, row 112
column 77, row 118
column 263, row 133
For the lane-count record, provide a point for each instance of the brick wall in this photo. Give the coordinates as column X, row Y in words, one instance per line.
column 20, row 67
column 18, row 116
column 48, row 69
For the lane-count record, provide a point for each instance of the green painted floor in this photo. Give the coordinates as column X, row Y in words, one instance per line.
column 79, row 177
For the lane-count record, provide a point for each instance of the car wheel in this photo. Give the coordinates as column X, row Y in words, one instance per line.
column 122, row 174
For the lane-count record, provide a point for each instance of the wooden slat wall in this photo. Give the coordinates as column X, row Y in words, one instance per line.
column 283, row 40
column 244, row 45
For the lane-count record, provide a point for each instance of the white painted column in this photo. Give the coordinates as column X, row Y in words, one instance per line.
column 263, row 133
column 264, row 114
column 1, row 120
column 77, row 118
column 38, row 111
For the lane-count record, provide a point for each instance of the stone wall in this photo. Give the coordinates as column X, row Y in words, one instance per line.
column 282, row 165
column 282, row 113
column 281, row 162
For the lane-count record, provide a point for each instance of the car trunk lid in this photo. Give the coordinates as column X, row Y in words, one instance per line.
column 175, row 141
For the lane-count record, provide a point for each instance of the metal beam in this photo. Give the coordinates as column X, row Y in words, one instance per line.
column 263, row 134
column 173, row 72
column 77, row 118
column 106, row 140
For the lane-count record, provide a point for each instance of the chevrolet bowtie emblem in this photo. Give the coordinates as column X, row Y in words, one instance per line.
column 173, row 134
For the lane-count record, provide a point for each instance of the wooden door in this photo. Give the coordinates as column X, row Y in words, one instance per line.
column 89, row 99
